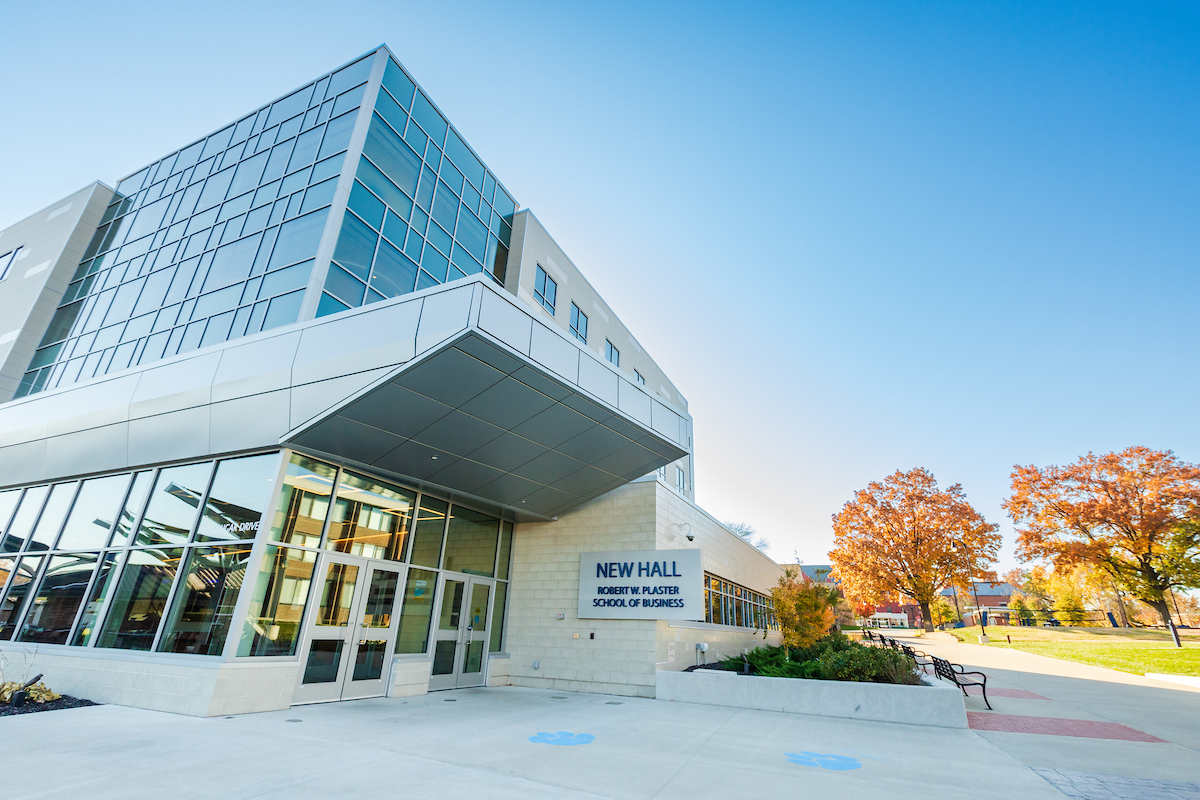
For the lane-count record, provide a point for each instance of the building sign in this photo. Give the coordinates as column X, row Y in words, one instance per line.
column 641, row 584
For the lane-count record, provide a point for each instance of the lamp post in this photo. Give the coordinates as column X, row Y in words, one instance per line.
column 983, row 637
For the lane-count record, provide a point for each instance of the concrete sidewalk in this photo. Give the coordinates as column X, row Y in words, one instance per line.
column 1032, row 692
column 499, row 743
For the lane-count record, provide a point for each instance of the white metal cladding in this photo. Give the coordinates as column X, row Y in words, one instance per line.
column 282, row 386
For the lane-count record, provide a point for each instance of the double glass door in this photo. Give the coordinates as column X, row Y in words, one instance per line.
column 461, row 635
column 352, row 633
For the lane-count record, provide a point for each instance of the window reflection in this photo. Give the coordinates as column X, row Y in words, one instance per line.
column 498, row 617
column 277, row 605
column 427, row 533
column 105, row 577
column 58, row 598
column 140, row 599
column 23, row 572
column 471, row 542
column 238, row 498
column 304, row 502
column 91, row 519
column 417, row 611
column 173, row 504
column 27, row 513
column 203, row 607
column 370, row 519
column 8, row 503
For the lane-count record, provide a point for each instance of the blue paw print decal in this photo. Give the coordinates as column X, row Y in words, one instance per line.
column 823, row 760
column 562, row 737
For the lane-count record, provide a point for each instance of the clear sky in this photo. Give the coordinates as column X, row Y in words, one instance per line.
column 860, row 237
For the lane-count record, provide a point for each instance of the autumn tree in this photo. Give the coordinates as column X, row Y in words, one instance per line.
column 802, row 608
column 906, row 536
column 1133, row 514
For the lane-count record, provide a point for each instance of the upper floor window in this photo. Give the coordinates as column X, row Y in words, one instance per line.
column 612, row 353
column 578, row 323
column 545, row 289
column 680, row 480
column 639, row 377
column 6, row 262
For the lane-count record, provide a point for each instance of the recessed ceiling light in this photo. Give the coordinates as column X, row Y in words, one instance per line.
column 435, row 458
column 522, row 501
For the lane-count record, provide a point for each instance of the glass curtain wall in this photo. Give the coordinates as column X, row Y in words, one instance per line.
column 104, row 561
column 155, row 560
column 323, row 508
column 424, row 210
column 213, row 242
column 728, row 603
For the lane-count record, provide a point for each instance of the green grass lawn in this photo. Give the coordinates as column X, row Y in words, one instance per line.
column 1128, row 650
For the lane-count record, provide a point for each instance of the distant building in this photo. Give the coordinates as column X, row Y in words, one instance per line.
column 994, row 598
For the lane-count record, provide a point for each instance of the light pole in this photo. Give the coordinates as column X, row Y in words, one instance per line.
column 983, row 637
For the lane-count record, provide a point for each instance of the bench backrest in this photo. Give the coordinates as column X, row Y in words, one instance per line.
column 942, row 669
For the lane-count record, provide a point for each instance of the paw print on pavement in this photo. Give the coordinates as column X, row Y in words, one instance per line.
column 562, row 737
column 823, row 760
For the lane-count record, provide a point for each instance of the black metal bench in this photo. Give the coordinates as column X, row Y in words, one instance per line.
column 922, row 660
column 960, row 677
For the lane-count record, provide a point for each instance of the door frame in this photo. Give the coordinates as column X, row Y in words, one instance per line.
column 344, row 687
column 463, row 636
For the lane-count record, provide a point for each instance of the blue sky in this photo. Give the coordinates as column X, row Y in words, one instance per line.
column 860, row 237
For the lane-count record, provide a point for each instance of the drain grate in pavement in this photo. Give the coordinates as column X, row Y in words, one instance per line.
column 1093, row 786
column 294, row 720
column 449, row 700
column 558, row 697
column 612, row 703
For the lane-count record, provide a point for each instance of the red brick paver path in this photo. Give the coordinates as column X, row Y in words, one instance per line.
column 1013, row 723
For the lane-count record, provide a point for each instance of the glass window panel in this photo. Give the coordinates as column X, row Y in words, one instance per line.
column 327, row 168
column 506, row 530
column 337, row 595
column 337, row 135
column 307, row 145
column 202, row 610
column 277, row 606
column 391, row 111
column 139, row 599
column 277, row 163
column 344, row 286
column 370, row 518
column 93, row 514
column 399, row 84
column 8, row 503
column 428, row 117
column 27, row 513
column 381, row 599
column 105, row 577
column 231, row 264
column 471, row 542
column 391, row 155
column 462, row 156
column 356, row 247
column 497, row 640
column 283, row 310
column 319, row 195
column 348, row 100
column 303, row 502
column 417, row 611
column 57, row 599
column 286, row 279
column 394, row 272
column 133, row 506
column 366, row 205
column 215, row 189
column 289, row 128
column 432, row 261
column 350, row 76
column 298, row 239
column 174, row 504
column 238, row 497
column 427, row 533
column 471, row 234
column 445, row 207
column 330, row 305
column 289, row 106
column 20, row 574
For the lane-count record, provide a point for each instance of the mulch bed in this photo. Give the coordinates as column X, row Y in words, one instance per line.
column 54, row 705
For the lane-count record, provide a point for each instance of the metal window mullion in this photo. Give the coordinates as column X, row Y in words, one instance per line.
column 35, row 584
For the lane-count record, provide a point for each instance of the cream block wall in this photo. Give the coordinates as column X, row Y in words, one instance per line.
column 410, row 677
column 622, row 659
column 545, row 583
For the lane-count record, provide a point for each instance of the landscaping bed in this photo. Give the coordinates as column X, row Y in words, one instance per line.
column 832, row 658
column 50, row 705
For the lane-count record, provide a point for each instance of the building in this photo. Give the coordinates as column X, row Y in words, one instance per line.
column 310, row 409
column 991, row 597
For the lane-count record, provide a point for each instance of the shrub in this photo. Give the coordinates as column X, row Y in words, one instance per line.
column 832, row 658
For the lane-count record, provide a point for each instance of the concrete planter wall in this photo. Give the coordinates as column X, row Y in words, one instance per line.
column 936, row 703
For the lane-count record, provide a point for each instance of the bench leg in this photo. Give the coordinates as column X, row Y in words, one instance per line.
column 985, row 700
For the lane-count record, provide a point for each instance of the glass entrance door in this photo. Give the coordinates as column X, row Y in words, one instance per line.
column 460, row 641
column 352, row 632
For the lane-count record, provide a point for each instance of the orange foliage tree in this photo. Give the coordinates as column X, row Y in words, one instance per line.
column 1133, row 514
column 906, row 536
